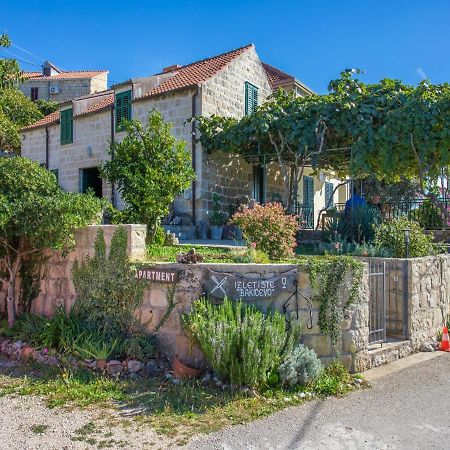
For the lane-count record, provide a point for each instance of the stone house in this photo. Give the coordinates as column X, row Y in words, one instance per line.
column 73, row 141
column 60, row 85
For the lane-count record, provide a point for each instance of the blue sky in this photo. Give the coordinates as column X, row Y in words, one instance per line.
column 313, row 40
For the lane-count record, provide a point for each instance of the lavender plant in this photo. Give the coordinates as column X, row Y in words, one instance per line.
column 300, row 366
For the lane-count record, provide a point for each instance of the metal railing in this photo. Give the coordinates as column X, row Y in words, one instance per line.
column 422, row 211
column 305, row 215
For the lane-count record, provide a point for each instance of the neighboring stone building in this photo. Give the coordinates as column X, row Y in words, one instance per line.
column 73, row 142
column 59, row 85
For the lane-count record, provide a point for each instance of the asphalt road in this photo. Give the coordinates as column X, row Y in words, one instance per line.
column 407, row 407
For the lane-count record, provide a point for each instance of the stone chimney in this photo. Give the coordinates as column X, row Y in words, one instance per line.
column 170, row 68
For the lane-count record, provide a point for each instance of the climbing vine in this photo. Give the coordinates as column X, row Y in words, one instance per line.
column 327, row 275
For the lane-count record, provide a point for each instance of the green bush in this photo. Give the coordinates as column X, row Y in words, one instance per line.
column 391, row 237
column 334, row 380
column 358, row 225
column 242, row 344
column 300, row 366
column 428, row 216
column 108, row 292
column 251, row 255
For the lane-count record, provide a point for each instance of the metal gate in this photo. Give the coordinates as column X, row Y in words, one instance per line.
column 377, row 302
column 388, row 299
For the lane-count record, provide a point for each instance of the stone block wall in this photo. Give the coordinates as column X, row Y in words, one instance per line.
column 57, row 286
column 429, row 303
column 352, row 348
column 69, row 88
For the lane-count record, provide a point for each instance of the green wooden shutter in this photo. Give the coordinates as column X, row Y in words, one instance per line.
column 251, row 98
column 66, row 122
column 329, row 188
column 308, row 191
column 123, row 108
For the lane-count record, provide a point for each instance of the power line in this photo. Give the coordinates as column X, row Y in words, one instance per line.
column 27, row 51
column 20, row 59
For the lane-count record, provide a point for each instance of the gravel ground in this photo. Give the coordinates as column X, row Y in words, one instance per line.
column 403, row 410
column 27, row 424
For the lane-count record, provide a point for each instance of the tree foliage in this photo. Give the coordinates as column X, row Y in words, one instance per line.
column 16, row 110
column 36, row 214
column 388, row 130
column 150, row 168
column 10, row 72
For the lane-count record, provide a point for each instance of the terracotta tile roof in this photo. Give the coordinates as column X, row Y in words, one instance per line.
column 276, row 76
column 196, row 73
column 78, row 74
column 103, row 104
column 47, row 120
column 53, row 118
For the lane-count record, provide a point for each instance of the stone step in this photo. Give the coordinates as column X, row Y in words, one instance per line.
column 388, row 352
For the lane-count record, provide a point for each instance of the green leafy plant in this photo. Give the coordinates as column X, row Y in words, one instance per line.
column 300, row 366
column 242, row 344
column 327, row 277
column 334, row 380
column 108, row 292
column 92, row 347
column 251, row 255
column 150, row 168
column 428, row 216
column 391, row 236
column 359, row 224
column 270, row 228
column 30, row 202
column 218, row 217
column 139, row 347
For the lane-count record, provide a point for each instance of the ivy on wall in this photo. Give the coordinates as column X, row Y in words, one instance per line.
column 327, row 278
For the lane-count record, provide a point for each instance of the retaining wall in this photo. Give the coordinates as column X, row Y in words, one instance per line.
column 428, row 298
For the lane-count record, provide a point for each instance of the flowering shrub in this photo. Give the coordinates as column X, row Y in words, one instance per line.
column 269, row 228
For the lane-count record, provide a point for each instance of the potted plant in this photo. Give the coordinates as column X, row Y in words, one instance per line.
column 217, row 219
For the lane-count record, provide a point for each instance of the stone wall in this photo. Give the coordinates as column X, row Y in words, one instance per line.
column 57, row 286
column 429, row 303
column 352, row 348
column 57, row 289
column 69, row 88
column 417, row 296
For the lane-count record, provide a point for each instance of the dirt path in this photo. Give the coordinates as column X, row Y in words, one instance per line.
column 26, row 423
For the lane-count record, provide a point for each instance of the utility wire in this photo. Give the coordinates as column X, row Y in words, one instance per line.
column 20, row 59
column 27, row 51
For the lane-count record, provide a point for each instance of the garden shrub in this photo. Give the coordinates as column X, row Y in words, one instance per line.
column 242, row 344
column 108, row 292
column 391, row 237
column 358, row 225
column 427, row 215
column 251, row 255
column 300, row 366
column 269, row 227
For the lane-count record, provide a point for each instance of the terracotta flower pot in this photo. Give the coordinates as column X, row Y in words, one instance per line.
column 180, row 370
column 101, row 364
column 27, row 352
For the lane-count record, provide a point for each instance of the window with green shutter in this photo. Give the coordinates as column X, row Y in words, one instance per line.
column 123, row 108
column 66, row 119
column 251, row 98
column 329, row 201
